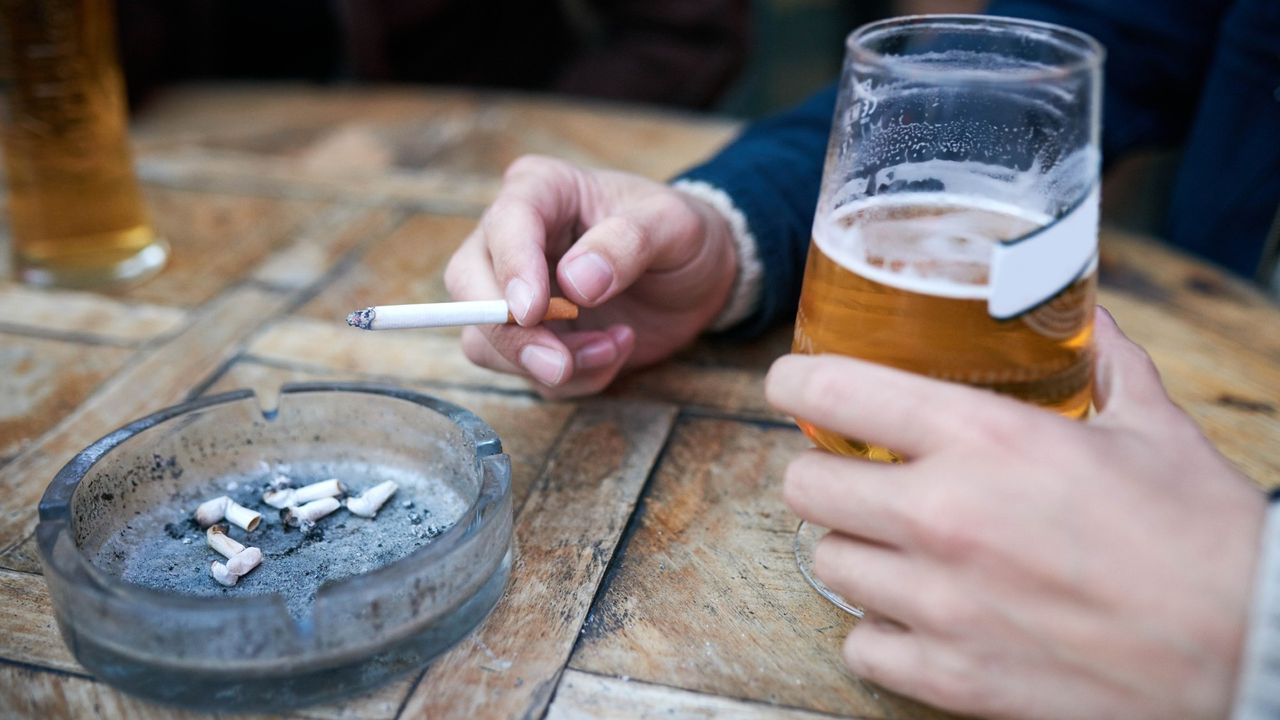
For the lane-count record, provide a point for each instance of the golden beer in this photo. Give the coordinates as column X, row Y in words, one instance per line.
column 76, row 214
column 924, row 312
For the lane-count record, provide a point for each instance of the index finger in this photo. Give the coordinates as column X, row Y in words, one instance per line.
column 911, row 414
column 535, row 209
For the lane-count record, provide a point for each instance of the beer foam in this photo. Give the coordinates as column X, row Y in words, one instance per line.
column 938, row 244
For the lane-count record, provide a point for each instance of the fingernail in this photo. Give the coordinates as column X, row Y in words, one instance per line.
column 590, row 275
column 519, row 299
column 596, row 354
column 543, row 363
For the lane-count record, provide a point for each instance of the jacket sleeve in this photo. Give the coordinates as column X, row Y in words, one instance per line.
column 773, row 172
column 1158, row 55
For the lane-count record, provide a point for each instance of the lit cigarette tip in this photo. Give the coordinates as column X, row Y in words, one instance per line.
column 370, row 501
column 212, row 511
column 362, row 319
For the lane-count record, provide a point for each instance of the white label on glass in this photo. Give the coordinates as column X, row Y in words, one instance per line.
column 1032, row 269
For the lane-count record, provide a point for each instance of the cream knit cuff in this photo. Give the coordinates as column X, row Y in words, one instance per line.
column 747, row 284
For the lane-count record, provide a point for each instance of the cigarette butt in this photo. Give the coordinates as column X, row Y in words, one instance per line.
column 222, row 574
column 428, row 315
column 212, row 511
column 242, row 516
column 323, row 489
column 218, row 539
column 306, row 515
column 244, row 561
column 370, row 501
column 280, row 498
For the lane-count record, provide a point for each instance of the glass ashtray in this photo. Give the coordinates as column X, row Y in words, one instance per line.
column 331, row 611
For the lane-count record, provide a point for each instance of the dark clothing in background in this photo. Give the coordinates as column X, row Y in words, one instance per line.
column 674, row 52
column 1203, row 75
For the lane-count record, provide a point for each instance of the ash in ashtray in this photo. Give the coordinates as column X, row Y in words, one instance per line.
column 167, row 549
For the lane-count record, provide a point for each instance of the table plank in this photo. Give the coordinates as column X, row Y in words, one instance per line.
column 216, row 239
column 565, row 535
column 321, row 242
column 42, row 380
column 28, row 632
column 583, row 696
column 84, row 316
column 160, row 378
column 420, row 355
column 405, row 267
column 1212, row 299
column 706, row 596
column 25, row 693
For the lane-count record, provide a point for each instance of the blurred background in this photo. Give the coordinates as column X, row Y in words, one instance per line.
column 745, row 58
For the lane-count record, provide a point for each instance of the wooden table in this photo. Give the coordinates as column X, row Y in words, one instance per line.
column 654, row 574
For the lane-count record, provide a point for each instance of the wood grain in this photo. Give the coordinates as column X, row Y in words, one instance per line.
column 1218, row 303
column 583, row 696
column 321, row 242
column 41, row 381
column 161, row 378
column 405, row 267
column 28, row 694
column 28, row 631
column 82, row 315
column 405, row 354
column 707, row 597
column 565, row 535
column 216, row 239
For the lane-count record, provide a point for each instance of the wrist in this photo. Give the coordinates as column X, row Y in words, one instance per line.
column 727, row 226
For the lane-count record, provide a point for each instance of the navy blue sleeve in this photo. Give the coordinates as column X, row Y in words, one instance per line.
column 1158, row 55
column 773, row 172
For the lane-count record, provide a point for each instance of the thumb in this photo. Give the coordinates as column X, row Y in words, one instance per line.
column 656, row 234
column 1126, row 380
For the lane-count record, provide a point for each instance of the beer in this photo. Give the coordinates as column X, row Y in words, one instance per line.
column 902, row 280
column 76, row 214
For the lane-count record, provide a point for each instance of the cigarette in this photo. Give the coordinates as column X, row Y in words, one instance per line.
column 222, row 574
column 291, row 497
column 306, row 515
column 219, row 540
column 427, row 315
column 212, row 511
column 244, row 561
column 369, row 501
column 242, row 516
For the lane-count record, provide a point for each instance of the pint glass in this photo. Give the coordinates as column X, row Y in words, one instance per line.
column 76, row 214
column 956, row 230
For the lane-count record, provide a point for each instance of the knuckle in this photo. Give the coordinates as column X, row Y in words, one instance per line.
column 943, row 525
column 822, row 387
column 530, row 165
column 796, row 487
column 631, row 237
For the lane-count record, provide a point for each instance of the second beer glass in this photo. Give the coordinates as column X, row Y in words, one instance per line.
column 956, row 229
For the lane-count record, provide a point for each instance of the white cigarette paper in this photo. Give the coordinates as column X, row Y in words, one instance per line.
column 307, row 515
column 242, row 516
column 218, row 539
column 370, row 501
column 474, row 312
column 244, row 561
column 292, row 497
column 212, row 511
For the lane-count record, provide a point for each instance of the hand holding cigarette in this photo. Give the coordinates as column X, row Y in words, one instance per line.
column 656, row 265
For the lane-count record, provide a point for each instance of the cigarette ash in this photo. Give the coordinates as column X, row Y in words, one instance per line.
column 362, row 319
column 164, row 548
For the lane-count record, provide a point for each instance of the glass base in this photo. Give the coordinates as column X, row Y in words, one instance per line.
column 140, row 266
column 807, row 537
